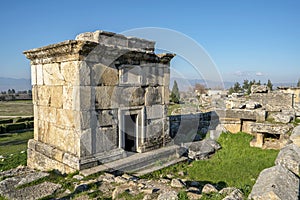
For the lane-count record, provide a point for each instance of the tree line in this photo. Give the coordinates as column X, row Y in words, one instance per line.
column 12, row 91
column 246, row 87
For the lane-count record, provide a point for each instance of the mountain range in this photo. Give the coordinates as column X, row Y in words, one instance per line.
column 14, row 83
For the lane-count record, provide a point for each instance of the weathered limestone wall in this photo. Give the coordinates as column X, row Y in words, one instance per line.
column 273, row 100
column 82, row 87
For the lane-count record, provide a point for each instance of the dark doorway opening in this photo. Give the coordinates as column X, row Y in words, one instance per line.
column 130, row 132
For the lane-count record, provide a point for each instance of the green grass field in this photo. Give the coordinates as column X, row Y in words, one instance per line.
column 13, row 148
column 16, row 108
column 235, row 165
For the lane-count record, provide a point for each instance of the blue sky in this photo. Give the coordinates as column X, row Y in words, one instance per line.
column 258, row 39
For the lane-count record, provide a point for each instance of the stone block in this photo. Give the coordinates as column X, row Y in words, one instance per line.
column 84, row 119
column 154, row 95
column 107, row 117
column 289, row 157
column 83, row 98
column 103, row 75
column 276, row 183
column 166, row 95
column 34, row 94
column 39, row 161
column 71, row 160
column 234, row 127
column 281, row 117
column 105, row 97
column 155, row 111
column 65, row 118
column 109, row 138
column 56, row 94
column 140, row 44
column 86, row 145
column 258, row 141
column 295, row 136
column 67, row 97
column 154, row 128
column 39, row 75
column 76, row 73
column 271, row 128
column 33, row 75
column 52, row 74
column 131, row 75
column 112, row 97
column 149, row 75
column 166, row 78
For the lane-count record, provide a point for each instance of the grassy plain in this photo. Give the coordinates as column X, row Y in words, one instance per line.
column 13, row 148
column 16, row 108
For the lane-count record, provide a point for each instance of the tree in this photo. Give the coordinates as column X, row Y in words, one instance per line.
column 175, row 96
column 298, row 84
column 199, row 88
column 270, row 85
column 246, row 85
column 235, row 89
column 258, row 83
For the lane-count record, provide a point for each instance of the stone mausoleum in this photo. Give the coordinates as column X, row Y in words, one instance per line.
column 96, row 98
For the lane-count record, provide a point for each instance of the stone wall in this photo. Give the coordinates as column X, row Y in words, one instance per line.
column 83, row 88
column 189, row 127
column 273, row 100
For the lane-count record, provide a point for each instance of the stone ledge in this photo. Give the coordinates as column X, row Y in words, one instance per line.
column 63, row 51
column 52, row 157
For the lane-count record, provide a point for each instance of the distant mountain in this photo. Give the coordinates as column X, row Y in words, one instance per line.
column 184, row 84
column 13, row 83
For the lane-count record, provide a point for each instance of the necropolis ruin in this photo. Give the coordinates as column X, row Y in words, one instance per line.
column 96, row 98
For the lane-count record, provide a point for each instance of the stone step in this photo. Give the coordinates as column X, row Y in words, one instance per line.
column 150, row 169
column 135, row 162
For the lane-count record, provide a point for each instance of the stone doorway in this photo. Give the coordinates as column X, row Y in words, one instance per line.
column 131, row 130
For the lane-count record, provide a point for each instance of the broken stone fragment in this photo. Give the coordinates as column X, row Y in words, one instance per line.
column 276, row 183
column 289, row 157
column 208, row 188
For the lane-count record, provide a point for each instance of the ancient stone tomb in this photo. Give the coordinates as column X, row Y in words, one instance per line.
column 95, row 99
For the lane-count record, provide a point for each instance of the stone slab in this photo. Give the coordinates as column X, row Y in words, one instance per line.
column 276, row 183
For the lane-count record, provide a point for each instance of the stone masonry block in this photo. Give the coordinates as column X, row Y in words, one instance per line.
column 56, row 93
column 104, row 75
column 33, row 75
column 104, row 97
column 76, row 73
column 39, row 75
column 131, row 96
column 83, row 98
column 154, row 95
column 154, row 128
column 52, row 74
column 67, row 97
column 155, row 111
column 107, row 117
column 86, row 146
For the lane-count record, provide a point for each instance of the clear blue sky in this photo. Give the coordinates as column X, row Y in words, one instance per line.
column 246, row 39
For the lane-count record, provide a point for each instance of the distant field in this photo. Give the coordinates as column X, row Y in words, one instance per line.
column 16, row 108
